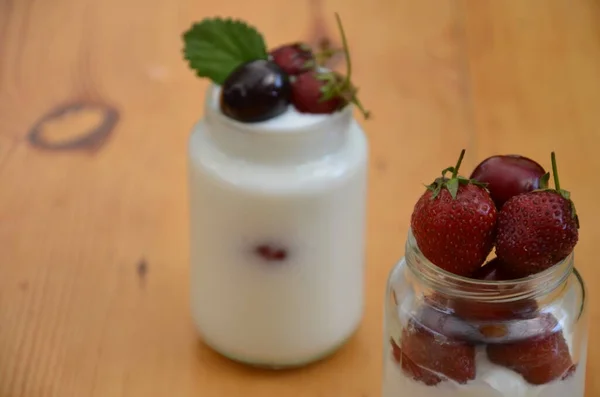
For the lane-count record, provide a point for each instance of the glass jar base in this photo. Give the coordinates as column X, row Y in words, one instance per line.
column 279, row 366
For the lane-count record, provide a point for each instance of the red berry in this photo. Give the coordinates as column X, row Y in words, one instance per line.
column 307, row 94
column 474, row 310
column 294, row 58
column 539, row 360
column 269, row 253
column 535, row 231
column 396, row 352
column 508, row 175
column 429, row 354
column 454, row 224
column 413, row 370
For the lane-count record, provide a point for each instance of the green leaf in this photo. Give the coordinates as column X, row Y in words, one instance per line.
column 214, row 47
column 452, row 186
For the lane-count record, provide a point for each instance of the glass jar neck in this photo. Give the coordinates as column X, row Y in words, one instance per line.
column 433, row 277
column 276, row 142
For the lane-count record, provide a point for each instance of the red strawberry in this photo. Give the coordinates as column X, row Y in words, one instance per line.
column 474, row 310
column 454, row 223
column 539, row 360
column 294, row 58
column 537, row 230
column 324, row 92
column 308, row 96
column 436, row 354
column 413, row 370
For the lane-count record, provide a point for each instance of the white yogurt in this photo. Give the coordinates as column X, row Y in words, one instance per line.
column 491, row 381
column 296, row 183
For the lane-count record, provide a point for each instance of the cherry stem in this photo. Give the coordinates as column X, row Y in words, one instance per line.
column 457, row 166
column 555, row 171
column 344, row 47
column 347, row 81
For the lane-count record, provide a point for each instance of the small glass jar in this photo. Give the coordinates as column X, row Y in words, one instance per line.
column 277, row 217
column 450, row 336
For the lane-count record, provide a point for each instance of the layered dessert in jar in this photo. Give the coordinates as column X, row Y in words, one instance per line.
column 277, row 182
column 487, row 301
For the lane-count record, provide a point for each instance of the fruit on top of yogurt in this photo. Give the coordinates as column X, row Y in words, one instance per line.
column 435, row 353
column 539, row 360
column 255, row 84
column 454, row 222
column 536, row 230
column 307, row 94
column 294, row 59
column 413, row 370
column 322, row 91
column 508, row 175
column 255, row 91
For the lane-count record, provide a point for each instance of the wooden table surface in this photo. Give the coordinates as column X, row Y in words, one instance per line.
column 94, row 234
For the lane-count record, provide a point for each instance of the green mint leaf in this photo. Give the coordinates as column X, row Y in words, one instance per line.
column 214, row 47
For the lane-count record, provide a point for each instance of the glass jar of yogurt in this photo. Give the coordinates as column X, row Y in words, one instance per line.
column 277, row 233
column 450, row 336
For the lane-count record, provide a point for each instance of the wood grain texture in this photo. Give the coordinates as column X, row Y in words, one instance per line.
column 94, row 244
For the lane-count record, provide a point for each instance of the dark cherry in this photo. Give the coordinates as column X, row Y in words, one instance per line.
column 294, row 58
column 271, row 254
column 508, row 176
column 256, row 91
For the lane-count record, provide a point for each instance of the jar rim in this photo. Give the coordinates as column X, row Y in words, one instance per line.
column 441, row 280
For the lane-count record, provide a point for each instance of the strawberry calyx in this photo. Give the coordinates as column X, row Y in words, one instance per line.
column 545, row 187
column 335, row 84
column 326, row 52
column 453, row 182
column 563, row 193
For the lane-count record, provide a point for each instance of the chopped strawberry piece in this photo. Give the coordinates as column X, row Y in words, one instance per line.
column 539, row 360
column 270, row 253
column 436, row 353
column 413, row 370
column 473, row 310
